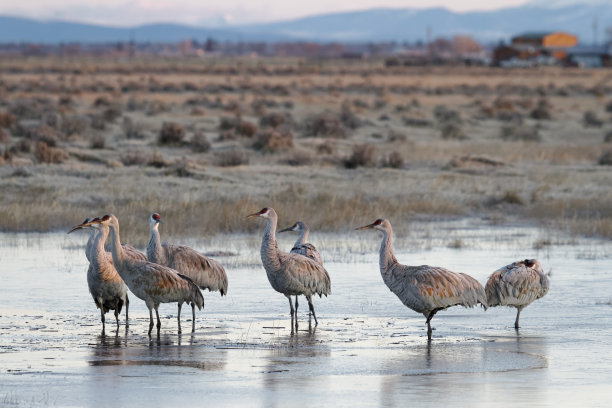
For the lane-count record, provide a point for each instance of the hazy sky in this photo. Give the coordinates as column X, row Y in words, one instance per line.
column 131, row 12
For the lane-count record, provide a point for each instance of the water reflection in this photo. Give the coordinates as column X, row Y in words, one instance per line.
column 458, row 368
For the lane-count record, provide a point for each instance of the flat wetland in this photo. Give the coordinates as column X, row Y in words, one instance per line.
column 368, row 349
column 475, row 167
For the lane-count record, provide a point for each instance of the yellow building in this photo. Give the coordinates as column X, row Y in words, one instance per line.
column 555, row 43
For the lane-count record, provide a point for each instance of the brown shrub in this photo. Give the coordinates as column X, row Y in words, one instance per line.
column 444, row 115
column 199, row 143
column 542, row 111
column 75, row 125
column 7, row 119
column 521, row 133
column 227, row 123
column 112, row 113
column 363, row 155
column 97, row 121
column 276, row 119
column 246, row 129
column 416, row 122
column 102, row 101
column 606, row 159
column 324, row 125
column 156, row 160
column 133, row 158
column 231, row 158
column 132, row 130
column 48, row 154
column 608, row 137
column 22, row 146
column 452, row 131
column 348, row 117
column 327, row 147
column 98, row 142
column 590, row 119
column 393, row 160
column 273, row 140
column 171, row 134
column 5, row 136
column 299, row 159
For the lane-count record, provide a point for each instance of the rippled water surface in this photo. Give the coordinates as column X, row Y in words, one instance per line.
column 368, row 349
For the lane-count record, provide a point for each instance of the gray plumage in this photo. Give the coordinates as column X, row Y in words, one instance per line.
column 517, row 285
column 108, row 290
column 151, row 282
column 301, row 246
column 291, row 273
column 425, row 289
column 205, row 272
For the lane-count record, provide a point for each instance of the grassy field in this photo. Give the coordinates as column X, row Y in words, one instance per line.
column 206, row 142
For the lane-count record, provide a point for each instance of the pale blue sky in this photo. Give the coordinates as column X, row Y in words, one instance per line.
column 132, row 12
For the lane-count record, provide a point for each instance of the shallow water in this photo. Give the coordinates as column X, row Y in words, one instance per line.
column 368, row 349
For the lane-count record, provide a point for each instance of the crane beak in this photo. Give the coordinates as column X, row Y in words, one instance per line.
column 253, row 215
column 365, row 227
column 76, row 227
column 291, row 228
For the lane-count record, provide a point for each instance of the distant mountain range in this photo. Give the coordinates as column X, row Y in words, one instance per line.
column 374, row 25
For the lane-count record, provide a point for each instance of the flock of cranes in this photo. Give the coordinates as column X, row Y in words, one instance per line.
column 176, row 273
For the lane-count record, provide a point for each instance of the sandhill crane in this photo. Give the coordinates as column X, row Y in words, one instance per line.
column 108, row 290
column 151, row 282
column 301, row 246
column 289, row 273
column 205, row 272
column 424, row 289
column 517, row 285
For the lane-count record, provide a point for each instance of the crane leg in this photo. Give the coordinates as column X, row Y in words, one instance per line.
column 429, row 317
column 178, row 317
column 311, row 307
column 292, row 313
column 117, row 303
column 102, row 318
column 150, row 320
column 516, row 322
column 127, row 306
column 296, row 304
column 158, row 321
column 192, row 317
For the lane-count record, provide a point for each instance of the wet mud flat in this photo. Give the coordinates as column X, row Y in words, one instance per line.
column 368, row 349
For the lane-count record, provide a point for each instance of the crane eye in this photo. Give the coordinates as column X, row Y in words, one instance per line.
column 378, row 221
column 106, row 217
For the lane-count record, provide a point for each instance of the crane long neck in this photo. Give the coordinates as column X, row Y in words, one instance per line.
column 387, row 258
column 303, row 237
column 269, row 247
column 98, row 253
column 155, row 251
column 90, row 244
column 116, row 248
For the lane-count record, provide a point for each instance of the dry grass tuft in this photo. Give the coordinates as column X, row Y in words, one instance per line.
column 171, row 134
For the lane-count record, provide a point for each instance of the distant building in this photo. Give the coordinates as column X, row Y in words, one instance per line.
column 591, row 56
column 535, row 48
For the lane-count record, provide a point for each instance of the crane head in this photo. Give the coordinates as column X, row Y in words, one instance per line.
column 265, row 212
column 83, row 225
column 379, row 224
column 294, row 227
column 533, row 264
column 154, row 220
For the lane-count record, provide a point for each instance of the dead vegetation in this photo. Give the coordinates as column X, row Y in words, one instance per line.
column 464, row 136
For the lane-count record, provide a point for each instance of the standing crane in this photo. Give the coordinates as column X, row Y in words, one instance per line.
column 151, row 282
column 289, row 273
column 108, row 290
column 301, row 246
column 424, row 289
column 517, row 285
column 205, row 272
